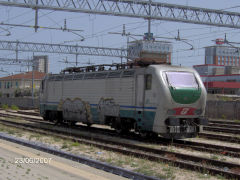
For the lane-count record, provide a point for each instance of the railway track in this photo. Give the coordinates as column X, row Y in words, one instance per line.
column 234, row 126
column 28, row 113
column 220, row 137
column 203, row 147
column 226, row 126
column 225, row 122
column 191, row 162
column 222, row 129
column 214, row 125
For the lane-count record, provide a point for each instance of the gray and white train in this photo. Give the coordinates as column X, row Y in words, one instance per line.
column 157, row 99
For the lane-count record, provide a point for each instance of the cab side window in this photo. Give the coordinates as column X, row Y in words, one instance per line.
column 148, row 82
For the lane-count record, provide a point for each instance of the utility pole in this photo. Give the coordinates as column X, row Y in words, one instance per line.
column 36, row 17
column 149, row 19
column 16, row 51
column 33, row 81
column 76, row 60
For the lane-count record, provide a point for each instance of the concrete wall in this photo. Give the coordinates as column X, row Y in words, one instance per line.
column 25, row 103
column 223, row 109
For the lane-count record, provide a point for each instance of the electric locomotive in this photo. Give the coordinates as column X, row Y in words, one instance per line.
column 157, row 99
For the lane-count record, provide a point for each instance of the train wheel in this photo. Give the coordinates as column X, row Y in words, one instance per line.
column 121, row 126
column 119, row 130
column 154, row 135
column 56, row 121
column 71, row 123
column 122, row 130
column 145, row 134
column 118, row 125
column 46, row 116
column 89, row 124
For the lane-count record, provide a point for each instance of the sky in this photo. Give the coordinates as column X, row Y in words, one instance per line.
column 96, row 30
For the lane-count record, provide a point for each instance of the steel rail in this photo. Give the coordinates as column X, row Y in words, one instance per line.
column 233, row 126
column 177, row 159
column 220, row 129
column 225, row 122
column 228, row 151
column 28, row 113
column 219, row 137
column 211, row 148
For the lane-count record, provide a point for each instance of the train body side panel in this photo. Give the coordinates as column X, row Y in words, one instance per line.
column 119, row 92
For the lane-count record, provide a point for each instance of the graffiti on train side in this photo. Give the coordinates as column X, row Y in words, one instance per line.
column 107, row 107
column 76, row 110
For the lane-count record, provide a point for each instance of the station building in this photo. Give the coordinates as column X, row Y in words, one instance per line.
column 221, row 71
column 20, row 84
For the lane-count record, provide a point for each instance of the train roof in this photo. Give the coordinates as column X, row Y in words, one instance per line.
column 117, row 73
column 173, row 67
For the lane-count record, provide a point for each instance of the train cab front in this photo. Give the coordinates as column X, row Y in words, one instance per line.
column 185, row 116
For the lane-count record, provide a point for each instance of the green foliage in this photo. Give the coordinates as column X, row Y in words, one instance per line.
column 5, row 106
column 24, row 92
column 64, row 146
column 75, row 144
column 225, row 98
column 215, row 157
column 17, row 93
column 224, row 116
column 14, row 107
column 36, row 93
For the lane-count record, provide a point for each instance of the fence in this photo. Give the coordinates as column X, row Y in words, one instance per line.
column 26, row 103
column 223, row 109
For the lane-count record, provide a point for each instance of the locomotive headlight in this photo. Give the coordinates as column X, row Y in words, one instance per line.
column 171, row 112
column 198, row 111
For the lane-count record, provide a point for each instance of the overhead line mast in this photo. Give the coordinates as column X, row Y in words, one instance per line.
column 136, row 9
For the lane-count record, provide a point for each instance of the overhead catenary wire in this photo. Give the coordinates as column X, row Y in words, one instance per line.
column 166, row 33
column 41, row 27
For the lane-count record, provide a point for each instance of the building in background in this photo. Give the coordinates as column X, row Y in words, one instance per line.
column 40, row 64
column 20, row 84
column 222, row 55
column 221, row 71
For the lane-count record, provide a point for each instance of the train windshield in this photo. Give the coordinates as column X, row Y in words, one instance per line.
column 181, row 79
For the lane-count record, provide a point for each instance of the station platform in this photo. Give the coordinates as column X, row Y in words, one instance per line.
column 20, row 162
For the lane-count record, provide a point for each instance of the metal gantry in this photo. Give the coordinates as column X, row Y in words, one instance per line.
column 12, row 61
column 137, row 9
column 62, row 49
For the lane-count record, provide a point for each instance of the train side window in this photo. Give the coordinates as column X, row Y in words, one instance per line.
column 148, row 81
